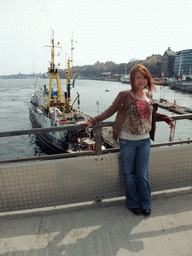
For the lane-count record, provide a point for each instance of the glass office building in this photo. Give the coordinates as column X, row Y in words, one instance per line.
column 183, row 63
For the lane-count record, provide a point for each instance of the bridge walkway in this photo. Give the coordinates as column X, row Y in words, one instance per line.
column 98, row 229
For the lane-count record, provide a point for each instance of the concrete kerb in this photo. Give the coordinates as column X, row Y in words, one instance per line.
column 171, row 193
column 88, row 205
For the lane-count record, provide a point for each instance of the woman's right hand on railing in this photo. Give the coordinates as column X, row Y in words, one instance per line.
column 88, row 124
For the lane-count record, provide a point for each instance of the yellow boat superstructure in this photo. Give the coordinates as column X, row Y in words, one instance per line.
column 59, row 101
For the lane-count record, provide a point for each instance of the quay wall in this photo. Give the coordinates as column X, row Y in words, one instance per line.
column 46, row 183
column 174, row 108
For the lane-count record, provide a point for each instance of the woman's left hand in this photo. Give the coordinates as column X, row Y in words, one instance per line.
column 172, row 125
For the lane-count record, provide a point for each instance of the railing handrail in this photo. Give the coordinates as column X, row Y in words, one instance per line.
column 73, row 127
column 98, row 134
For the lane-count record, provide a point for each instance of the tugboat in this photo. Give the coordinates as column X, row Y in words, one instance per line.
column 49, row 108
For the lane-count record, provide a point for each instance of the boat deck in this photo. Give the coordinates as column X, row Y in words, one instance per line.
column 99, row 229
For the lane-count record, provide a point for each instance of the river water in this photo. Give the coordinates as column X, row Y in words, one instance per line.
column 14, row 114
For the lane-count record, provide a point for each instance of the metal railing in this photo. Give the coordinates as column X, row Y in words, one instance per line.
column 98, row 135
column 92, row 176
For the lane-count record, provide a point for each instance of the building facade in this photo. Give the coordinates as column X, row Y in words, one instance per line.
column 168, row 61
column 183, row 63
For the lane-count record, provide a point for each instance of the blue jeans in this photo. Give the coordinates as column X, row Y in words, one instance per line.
column 135, row 156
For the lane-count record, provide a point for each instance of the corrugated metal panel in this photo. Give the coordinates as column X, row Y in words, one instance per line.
column 65, row 181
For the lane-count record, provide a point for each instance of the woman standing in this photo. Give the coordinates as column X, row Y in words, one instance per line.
column 134, row 126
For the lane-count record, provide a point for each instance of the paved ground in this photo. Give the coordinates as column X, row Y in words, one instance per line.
column 109, row 229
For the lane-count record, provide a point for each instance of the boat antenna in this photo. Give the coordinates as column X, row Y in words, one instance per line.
column 72, row 48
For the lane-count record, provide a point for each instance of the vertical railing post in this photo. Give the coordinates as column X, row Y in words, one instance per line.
column 98, row 129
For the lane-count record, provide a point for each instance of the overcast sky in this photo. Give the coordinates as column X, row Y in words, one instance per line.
column 105, row 30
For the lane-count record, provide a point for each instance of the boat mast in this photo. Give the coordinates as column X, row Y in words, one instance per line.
column 53, row 73
column 68, row 93
column 68, row 106
column 180, row 64
column 72, row 48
